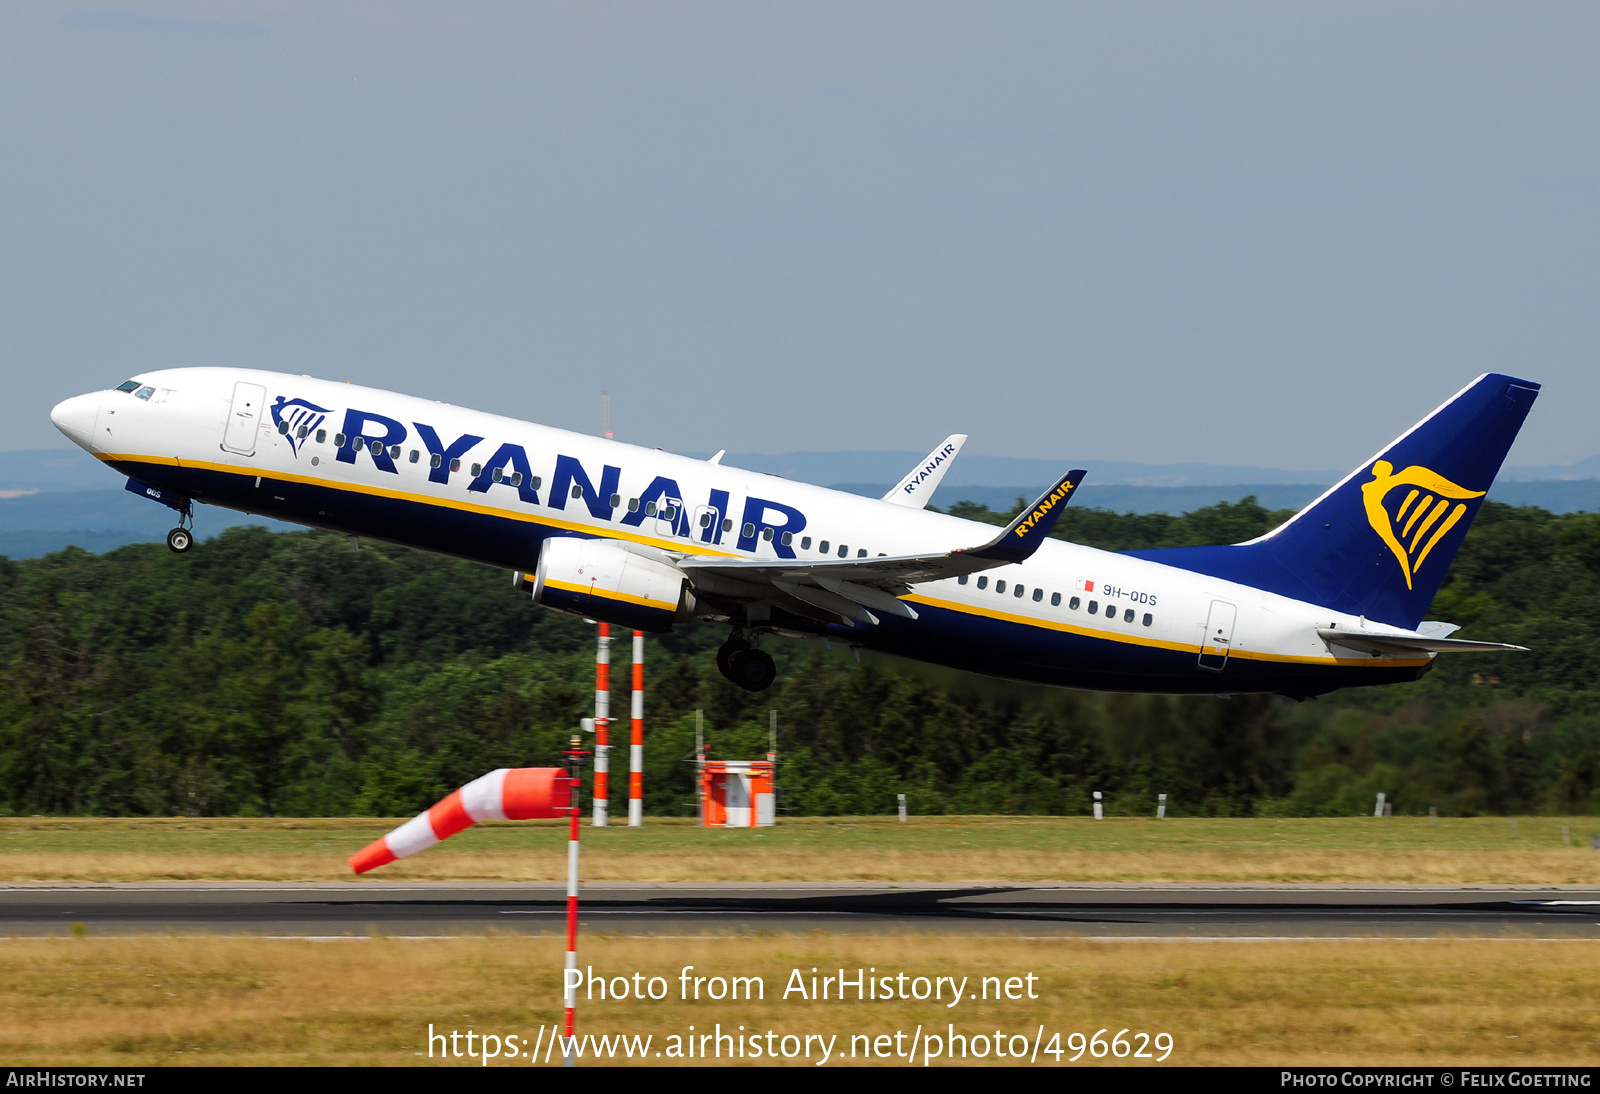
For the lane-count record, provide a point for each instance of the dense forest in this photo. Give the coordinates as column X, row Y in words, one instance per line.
column 288, row 674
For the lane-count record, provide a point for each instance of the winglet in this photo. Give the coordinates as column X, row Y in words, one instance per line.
column 918, row 486
column 1033, row 524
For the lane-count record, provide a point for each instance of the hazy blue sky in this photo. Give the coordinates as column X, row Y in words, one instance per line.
column 1251, row 234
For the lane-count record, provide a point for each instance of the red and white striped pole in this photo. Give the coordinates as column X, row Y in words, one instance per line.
column 636, row 745
column 570, row 975
column 602, row 723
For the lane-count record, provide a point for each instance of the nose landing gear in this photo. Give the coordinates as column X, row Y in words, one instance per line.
column 180, row 539
column 750, row 668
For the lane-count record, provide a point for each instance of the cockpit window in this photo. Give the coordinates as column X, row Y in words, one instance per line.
column 144, row 393
column 128, row 386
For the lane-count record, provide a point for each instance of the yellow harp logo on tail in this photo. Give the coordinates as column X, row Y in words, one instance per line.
column 1428, row 510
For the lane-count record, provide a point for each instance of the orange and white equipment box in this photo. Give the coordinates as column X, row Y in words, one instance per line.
column 738, row 794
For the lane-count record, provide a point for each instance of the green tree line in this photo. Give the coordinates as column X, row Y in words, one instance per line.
column 287, row 674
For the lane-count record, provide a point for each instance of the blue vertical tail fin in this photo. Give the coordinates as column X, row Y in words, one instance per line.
column 1378, row 543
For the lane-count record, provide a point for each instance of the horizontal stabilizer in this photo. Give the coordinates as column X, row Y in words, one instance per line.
column 1412, row 643
column 917, row 487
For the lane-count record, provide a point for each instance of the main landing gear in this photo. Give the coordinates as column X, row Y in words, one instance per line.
column 750, row 668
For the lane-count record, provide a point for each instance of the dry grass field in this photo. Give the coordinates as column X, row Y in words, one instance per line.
column 1469, row 851
column 128, row 1002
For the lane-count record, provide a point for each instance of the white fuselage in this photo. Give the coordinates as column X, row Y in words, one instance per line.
column 1171, row 628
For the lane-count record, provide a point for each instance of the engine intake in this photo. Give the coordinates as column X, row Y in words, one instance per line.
column 602, row 579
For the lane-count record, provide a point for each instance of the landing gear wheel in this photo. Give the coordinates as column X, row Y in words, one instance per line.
column 752, row 670
column 180, row 540
column 725, row 656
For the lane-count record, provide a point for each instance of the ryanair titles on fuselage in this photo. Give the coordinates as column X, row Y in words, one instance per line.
column 380, row 436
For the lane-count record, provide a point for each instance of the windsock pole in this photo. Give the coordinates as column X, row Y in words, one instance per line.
column 636, row 744
column 602, row 723
column 569, row 974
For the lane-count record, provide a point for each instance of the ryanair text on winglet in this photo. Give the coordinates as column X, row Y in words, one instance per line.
column 1058, row 495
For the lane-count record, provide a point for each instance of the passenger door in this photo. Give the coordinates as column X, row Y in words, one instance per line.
column 1218, row 639
column 244, row 418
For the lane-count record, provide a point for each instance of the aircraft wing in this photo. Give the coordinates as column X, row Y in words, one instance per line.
column 918, row 486
column 848, row 588
column 1412, row 643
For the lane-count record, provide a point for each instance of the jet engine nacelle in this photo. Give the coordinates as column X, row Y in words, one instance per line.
column 602, row 579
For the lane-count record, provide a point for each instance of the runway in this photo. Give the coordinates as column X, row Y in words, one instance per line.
column 1097, row 911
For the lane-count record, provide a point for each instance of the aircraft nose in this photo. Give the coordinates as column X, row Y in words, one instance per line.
column 76, row 416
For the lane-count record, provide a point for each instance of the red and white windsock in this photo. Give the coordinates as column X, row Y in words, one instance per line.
column 511, row 793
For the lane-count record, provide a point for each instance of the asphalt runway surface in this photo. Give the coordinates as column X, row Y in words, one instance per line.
column 332, row 909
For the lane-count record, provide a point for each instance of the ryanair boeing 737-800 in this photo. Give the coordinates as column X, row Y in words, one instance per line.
column 646, row 539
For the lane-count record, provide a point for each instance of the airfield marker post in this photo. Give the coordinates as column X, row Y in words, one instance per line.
column 700, row 766
column 902, row 808
column 636, row 739
column 602, row 725
column 1377, row 810
column 1161, row 807
column 1098, row 812
column 1433, row 814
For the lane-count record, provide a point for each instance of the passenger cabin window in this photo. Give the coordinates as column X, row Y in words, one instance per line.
column 477, row 469
column 805, row 542
column 128, row 385
column 705, row 520
column 766, row 534
column 498, row 474
column 300, row 434
column 1000, row 586
column 727, row 524
column 415, row 455
column 649, row 508
column 962, row 580
column 788, row 538
column 862, row 553
column 516, row 478
column 1148, row 619
column 1038, row 595
column 455, row 465
column 616, row 500
column 338, row 440
column 1073, row 603
column 1055, row 600
column 748, row 530
column 1020, row 591
column 1127, row 616
column 823, row 546
column 577, row 491
column 633, row 505
column 394, row 453
column 322, row 436
column 535, row 482
column 283, row 429
column 983, row 583
column 1094, row 606
column 844, row 552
